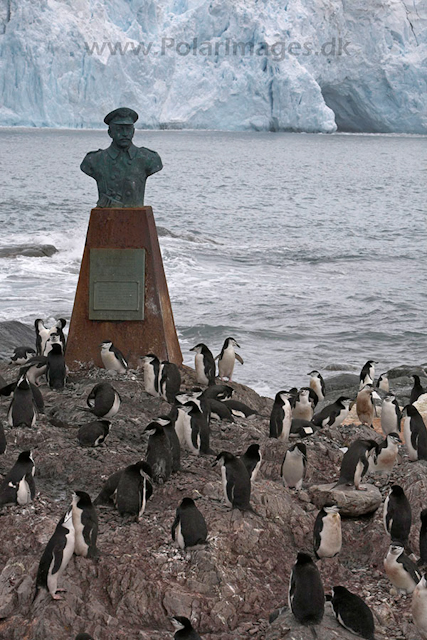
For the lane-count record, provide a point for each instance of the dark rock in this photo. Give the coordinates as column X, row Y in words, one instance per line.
column 13, row 334
column 29, row 250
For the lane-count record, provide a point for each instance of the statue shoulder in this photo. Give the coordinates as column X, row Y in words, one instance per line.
column 152, row 158
column 90, row 160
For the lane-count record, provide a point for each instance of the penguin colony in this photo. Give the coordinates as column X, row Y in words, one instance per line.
column 187, row 428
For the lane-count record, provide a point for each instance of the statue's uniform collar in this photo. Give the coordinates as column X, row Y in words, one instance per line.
column 113, row 152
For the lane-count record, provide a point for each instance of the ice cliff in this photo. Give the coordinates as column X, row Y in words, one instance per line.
column 301, row 65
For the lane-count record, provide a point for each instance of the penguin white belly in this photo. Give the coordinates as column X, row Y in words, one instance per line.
column 419, row 611
column 179, row 536
column 80, row 546
column 114, row 409
column 412, row 453
column 149, row 380
column 330, row 536
column 317, row 388
column 398, row 576
column 385, row 509
column 144, row 499
column 189, row 440
column 303, row 410
column 181, row 426
column 286, row 424
column 293, row 472
column 224, row 486
column 111, row 363
column 23, row 494
column 386, row 459
column 200, row 369
column 255, row 471
column 226, row 363
column 358, row 473
column 388, row 419
column 340, row 418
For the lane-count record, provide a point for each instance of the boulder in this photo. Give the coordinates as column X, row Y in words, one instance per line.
column 29, row 250
column 352, row 503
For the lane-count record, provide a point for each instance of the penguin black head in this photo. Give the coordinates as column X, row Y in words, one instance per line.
column 394, row 437
column 230, row 341
column 199, row 348
column 223, row 458
column 252, row 451
column 56, row 348
column 397, row 490
column 82, row 499
column 300, row 446
column 25, row 457
column 181, row 622
column 282, row 396
column 187, row 503
column 331, row 507
column 23, row 383
column 144, row 468
column 154, row 428
column 61, row 323
column 150, row 357
column 304, row 558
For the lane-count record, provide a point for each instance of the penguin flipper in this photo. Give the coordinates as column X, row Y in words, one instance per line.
column 410, row 567
column 239, row 358
column 57, row 554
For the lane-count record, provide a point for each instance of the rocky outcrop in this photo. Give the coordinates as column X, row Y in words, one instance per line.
column 352, row 502
column 229, row 587
column 14, row 334
column 29, row 250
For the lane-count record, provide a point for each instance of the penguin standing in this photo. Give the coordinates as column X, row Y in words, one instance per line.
column 94, row 433
column 21, row 355
column 415, row 433
column 103, row 401
column 168, row 425
column 327, row 535
column 303, row 408
column 334, row 414
column 281, row 416
column 184, row 629
column 391, row 416
column 56, row 371
column 317, row 383
column 42, row 336
column 235, row 481
column 383, row 383
column 365, row 407
column 419, row 607
column 417, row 390
column 355, row 463
column 134, row 489
column 397, row 515
column 384, row 456
column 367, row 373
column 112, row 358
column 204, row 363
column 85, row 522
column 252, row 459
column 423, row 538
column 151, row 368
column 159, row 455
column 294, row 466
column 189, row 527
column 227, row 359
column 56, row 556
column 400, row 570
column 108, row 492
column 352, row 613
column 306, row 596
column 22, row 410
column 169, row 381
column 18, row 486
column 194, row 429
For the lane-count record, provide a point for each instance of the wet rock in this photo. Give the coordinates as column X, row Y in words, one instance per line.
column 29, row 250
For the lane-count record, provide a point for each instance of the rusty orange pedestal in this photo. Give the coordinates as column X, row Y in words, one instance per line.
column 124, row 229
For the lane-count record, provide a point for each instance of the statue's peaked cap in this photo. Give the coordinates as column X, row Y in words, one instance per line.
column 122, row 115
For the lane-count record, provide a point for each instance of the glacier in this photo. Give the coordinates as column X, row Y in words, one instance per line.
column 280, row 65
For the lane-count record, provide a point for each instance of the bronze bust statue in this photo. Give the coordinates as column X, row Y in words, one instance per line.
column 121, row 170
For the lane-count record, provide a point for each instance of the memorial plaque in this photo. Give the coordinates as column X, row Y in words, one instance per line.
column 116, row 284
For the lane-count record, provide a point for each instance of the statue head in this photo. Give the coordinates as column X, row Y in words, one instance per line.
column 121, row 126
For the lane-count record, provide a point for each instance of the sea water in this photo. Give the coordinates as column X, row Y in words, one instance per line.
column 309, row 250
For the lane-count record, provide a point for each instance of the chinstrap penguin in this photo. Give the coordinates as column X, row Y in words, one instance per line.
column 103, row 401
column 281, row 416
column 252, row 459
column 334, row 414
column 294, row 466
column 18, row 486
column 134, row 489
column 391, row 416
column 355, row 463
column 85, row 521
column 112, row 358
column 159, row 454
column 56, row 371
column 317, row 383
column 184, row 629
column 93, row 433
column 169, row 381
column 397, row 515
column 415, row 433
column 235, row 481
column 367, row 373
column 400, row 570
column 352, row 613
column 204, row 363
column 189, row 527
column 227, row 358
column 56, row 556
column 383, row 458
column 419, row 607
column 306, row 596
column 21, row 355
column 22, row 410
column 327, row 535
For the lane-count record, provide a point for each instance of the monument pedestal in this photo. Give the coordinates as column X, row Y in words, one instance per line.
column 122, row 293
